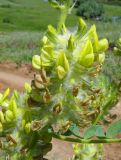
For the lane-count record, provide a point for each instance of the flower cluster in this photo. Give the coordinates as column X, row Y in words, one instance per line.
column 66, row 86
column 64, row 92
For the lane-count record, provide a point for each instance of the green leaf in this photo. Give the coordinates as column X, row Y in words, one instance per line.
column 54, row 4
column 94, row 130
column 75, row 130
column 114, row 129
column 68, row 133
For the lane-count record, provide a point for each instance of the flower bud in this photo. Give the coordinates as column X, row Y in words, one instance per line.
column 1, row 96
column 75, row 91
column 103, row 45
column 70, row 45
column 62, row 65
column 63, row 61
column 36, row 62
column 45, row 40
column 52, row 34
column 23, row 123
column 38, row 85
column 88, row 60
column 46, row 56
column 36, row 125
column 94, row 38
column 11, row 139
column 82, row 25
column 16, row 94
column 120, row 41
column 27, row 87
column 87, row 49
column 46, row 97
column 13, row 106
column 48, row 50
column 1, row 127
column 9, row 116
column 4, row 96
column 117, row 51
column 65, row 127
column 38, row 78
column 61, row 72
column 86, row 56
column 2, row 119
column 101, row 58
column 52, row 30
column 28, row 127
column 57, row 108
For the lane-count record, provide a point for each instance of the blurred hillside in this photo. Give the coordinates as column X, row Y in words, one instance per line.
column 35, row 15
column 23, row 23
column 28, row 15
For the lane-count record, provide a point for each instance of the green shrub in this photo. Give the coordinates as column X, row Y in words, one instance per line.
column 6, row 20
column 90, row 9
column 112, row 2
column 112, row 66
column 5, row 6
column 78, row 2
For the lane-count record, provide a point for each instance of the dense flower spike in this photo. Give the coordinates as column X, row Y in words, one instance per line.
column 72, row 60
column 67, row 92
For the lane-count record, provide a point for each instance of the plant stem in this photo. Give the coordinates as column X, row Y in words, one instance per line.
column 63, row 16
column 101, row 113
column 87, row 141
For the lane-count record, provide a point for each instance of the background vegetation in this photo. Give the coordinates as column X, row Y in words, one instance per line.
column 90, row 9
column 23, row 22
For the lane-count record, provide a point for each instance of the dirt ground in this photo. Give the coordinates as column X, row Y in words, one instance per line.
column 14, row 76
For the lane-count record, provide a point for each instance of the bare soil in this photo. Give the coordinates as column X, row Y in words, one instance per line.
column 14, row 76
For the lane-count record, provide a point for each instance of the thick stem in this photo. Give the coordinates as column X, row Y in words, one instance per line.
column 63, row 16
column 87, row 141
